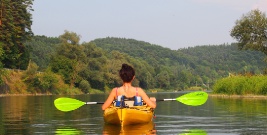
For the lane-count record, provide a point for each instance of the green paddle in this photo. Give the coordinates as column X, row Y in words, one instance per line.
column 68, row 104
column 194, row 99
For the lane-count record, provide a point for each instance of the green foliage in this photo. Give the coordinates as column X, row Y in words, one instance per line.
column 41, row 49
column 85, row 86
column 70, row 38
column 47, row 81
column 1, row 65
column 183, row 68
column 251, row 31
column 163, row 79
column 95, row 71
column 153, row 54
column 195, row 88
column 29, row 76
column 95, row 91
column 14, row 31
column 99, row 61
column 241, row 85
column 69, row 58
column 62, row 65
column 1, row 52
column 261, row 85
column 66, row 90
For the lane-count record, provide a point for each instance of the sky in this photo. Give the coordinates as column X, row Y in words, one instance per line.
column 173, row 24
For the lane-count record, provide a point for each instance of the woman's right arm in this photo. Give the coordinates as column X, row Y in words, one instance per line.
column 150, row 102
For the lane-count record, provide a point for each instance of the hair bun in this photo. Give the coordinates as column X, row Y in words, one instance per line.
column 124, row 66
column 127, row 73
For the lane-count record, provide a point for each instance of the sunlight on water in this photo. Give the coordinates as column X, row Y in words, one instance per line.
column 140, row 129
column 218, row 116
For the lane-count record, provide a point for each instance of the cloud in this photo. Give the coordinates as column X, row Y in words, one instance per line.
column 239, row 5
column 261, row 5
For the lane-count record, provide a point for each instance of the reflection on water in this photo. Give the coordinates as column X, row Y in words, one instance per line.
column 67, row 131
column 193, row 132
column 218, row 116
column 138, row 129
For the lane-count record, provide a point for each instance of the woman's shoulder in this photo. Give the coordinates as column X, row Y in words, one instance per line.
column 114, row 91
column 140, row 90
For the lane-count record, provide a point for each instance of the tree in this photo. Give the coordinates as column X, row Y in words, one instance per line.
column 96, row 68
column 15, row 29
column 163, row 79
column 41, row 49
column 1, row 65
column 251, row 31
column 69, row 59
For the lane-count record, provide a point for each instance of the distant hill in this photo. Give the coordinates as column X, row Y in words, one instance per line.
column 220, row 58
column 226, row 58
column 157, row 67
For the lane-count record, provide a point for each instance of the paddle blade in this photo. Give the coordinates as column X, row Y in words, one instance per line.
column 67, row 104
column 194, row 98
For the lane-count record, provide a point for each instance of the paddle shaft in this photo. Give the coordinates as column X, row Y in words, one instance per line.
column 91, row 103
column 158, row 100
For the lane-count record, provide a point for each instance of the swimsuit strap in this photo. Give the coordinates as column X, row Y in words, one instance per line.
column 136, row 91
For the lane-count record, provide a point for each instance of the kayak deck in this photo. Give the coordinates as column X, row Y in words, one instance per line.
column 128, row 116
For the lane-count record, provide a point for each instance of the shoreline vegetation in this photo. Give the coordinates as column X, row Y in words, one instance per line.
column 30, row 82
column 233, row 86
column 238, row 96
column 209, row 94
column 243, row 85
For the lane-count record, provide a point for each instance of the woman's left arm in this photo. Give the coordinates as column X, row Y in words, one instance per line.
column 109, row 100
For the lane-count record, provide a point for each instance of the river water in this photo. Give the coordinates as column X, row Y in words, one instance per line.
column 30, row 115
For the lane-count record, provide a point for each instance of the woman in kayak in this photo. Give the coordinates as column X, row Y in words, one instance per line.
column 127, row 75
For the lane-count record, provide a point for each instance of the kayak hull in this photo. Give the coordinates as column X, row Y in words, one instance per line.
column 128, row 116
column 136, row 129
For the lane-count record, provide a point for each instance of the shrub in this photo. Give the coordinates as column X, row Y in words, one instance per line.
column 84, row 86
column 241, row 85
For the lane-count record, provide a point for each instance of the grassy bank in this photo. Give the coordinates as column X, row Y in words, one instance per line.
column 20, row 83
column 241, row 85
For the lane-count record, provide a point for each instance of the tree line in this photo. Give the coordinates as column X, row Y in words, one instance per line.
column 68, row 66
column 95, row 65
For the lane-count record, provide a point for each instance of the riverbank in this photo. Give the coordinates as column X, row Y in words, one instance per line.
column 38, row 94
column 239, row 96
column 242, row 85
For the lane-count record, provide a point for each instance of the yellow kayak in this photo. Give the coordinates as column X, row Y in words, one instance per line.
column 128, row 116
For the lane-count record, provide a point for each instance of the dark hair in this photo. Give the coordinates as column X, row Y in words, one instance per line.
column 127, row 73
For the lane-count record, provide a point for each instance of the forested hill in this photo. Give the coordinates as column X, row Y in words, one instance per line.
column 156, row 66
column 216, row 58
column 153, row 54
column 226, row 58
